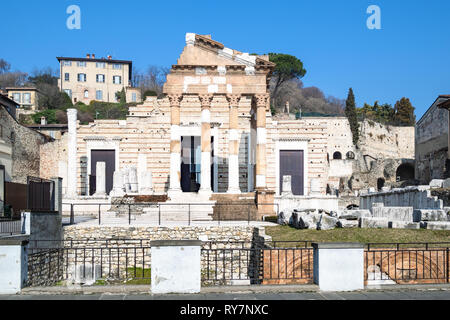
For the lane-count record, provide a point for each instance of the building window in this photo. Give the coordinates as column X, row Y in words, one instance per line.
column 101, row 78
column 337, row 155
column 117, row 79
column 99, row 95
column 68, row 92
column 86, row 94
column 117, row 66
column 27, row 98
column 67, row 63
column 81, row 63
column 101, row 65
column 66, row 76
column 16, row 97
column 81, row 77
column 133, row 97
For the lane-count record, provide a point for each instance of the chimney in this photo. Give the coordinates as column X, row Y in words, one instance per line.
column 93, row 56
column 88, row 56
column 43, row 121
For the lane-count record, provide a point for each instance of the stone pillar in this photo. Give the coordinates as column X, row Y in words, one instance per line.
column 100, row 179
column 118, row 184
column 339, row 266
column 175, row 144
column 233, row 145
column 13, row 264
column 71, row 192
column 133, row 180
column 287, row 186
column 205, row 176
column 176, row 266
column 261, row 140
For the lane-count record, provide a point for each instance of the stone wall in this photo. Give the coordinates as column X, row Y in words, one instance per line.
column 431, row 143
column 54, row 160
column 25, row 145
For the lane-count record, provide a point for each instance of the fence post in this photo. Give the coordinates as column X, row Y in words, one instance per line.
column 339, row 266
column 167, row 257
column 129, row 214
column 248, row 213
column 72, row 214
column 189, row 214
column 159, row 214
column 99, row 214
column 448, row 265
column 14, row 264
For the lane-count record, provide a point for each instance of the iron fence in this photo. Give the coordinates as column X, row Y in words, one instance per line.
column 160, row 213
column 407, row 263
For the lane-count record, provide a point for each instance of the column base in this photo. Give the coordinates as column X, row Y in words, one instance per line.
column 173, row 193
column 234, row 191
column 205, row 192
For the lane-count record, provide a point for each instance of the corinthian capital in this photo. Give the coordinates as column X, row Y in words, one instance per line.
column 205, row 99
column 261, row 99
column 233, row 99
column 175, row 99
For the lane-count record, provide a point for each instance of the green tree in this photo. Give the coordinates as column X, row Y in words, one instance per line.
column 287, row 68
column 50, row 115
column 350, row 112
column 121, row 96
column 404, row 113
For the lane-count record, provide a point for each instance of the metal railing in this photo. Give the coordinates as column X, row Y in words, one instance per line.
column 186, row 212
column 408, row 262
column 10, row 226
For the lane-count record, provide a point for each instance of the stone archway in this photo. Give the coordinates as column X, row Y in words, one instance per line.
column 337, row 155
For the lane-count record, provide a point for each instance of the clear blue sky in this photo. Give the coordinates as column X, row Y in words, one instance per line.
column 408, row 57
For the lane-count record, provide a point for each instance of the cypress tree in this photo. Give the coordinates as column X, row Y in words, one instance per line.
column 404, row 113
column 350, row 112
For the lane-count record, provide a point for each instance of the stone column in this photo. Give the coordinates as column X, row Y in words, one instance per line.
column 261, row 140
column 118, row 189
column 233, row 145
column 71, row 192
column 205, row 177
column 175, row 143
column 133, row 179
column 100, row 179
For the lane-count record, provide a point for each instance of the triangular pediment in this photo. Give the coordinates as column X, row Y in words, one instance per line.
column 203, row 51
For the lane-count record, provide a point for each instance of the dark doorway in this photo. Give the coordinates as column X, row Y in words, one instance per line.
column 190, row 163
column 380, row 183
column 291, row 164
column 405, row 172
column 109, row 157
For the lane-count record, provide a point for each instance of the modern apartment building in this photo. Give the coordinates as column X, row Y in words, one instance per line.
column 87, row 79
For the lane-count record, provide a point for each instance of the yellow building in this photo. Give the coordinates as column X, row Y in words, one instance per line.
column 87, row 79
column 25, row 97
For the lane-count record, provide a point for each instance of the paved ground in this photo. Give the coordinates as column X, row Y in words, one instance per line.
column 308, row 292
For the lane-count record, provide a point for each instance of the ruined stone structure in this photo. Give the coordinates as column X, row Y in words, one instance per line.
column 212, row 138
column 431, row 143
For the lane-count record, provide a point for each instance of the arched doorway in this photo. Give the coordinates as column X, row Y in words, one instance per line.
column 380, row 183
column 337, row 155
column 405, row 172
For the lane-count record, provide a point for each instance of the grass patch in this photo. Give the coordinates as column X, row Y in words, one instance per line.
column 287, row 233
column 146, row 273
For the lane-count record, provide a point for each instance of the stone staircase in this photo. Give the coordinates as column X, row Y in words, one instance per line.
column 185, row 207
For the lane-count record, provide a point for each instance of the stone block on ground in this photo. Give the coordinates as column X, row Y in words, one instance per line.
column 429, row 215
column 355, row 214
column 436, row 183
column 370, row 222
column 282, row 219
column 326, row 222
column 404, row 225
column 394, row 213
column 437, row 225
column 446, row 183
column 342, row 223
column 309, row 221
